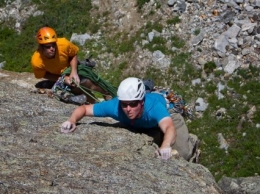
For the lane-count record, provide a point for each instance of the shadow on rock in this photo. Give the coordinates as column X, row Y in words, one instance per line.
column 155, row 133
column 47, row 84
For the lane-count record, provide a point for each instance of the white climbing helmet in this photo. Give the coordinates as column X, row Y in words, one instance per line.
column 131, row 88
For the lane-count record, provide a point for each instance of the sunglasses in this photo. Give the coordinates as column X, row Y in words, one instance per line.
column 49, row 46
column 132, row 104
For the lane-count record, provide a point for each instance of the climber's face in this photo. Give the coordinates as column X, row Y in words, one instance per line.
column 49, row 50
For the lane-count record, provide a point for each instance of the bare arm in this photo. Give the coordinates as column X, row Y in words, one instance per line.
column 74, row 72
column 70, row 125
column 167, row 127
column 80, row 112
column 73, row 63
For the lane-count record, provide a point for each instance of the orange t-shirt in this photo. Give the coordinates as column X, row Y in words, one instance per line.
column 64, row 50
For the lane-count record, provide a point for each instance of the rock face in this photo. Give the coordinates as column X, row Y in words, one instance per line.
column 99, row 157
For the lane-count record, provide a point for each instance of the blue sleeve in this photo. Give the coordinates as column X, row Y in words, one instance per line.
column 159, row 111
column 106, row 108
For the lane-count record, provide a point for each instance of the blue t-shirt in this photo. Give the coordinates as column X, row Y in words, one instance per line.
column 154, row 111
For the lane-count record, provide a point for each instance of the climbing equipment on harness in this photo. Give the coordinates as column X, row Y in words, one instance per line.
column 174, row 102
column 88, row 72
column 63, row 92
column 60, row 91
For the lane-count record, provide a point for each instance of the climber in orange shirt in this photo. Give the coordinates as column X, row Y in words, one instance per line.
column 53, row 56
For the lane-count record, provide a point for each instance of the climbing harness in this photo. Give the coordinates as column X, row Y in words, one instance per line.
column 63, row 92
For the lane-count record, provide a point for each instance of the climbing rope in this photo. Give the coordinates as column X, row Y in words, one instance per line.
column 88, row 72
column 62, row 92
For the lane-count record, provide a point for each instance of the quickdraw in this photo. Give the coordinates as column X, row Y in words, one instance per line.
column 59, row 90
column 59, row 85
column 179, row 105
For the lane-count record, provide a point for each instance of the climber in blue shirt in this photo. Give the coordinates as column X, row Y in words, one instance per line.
column 153, row 104
column 136, row 109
